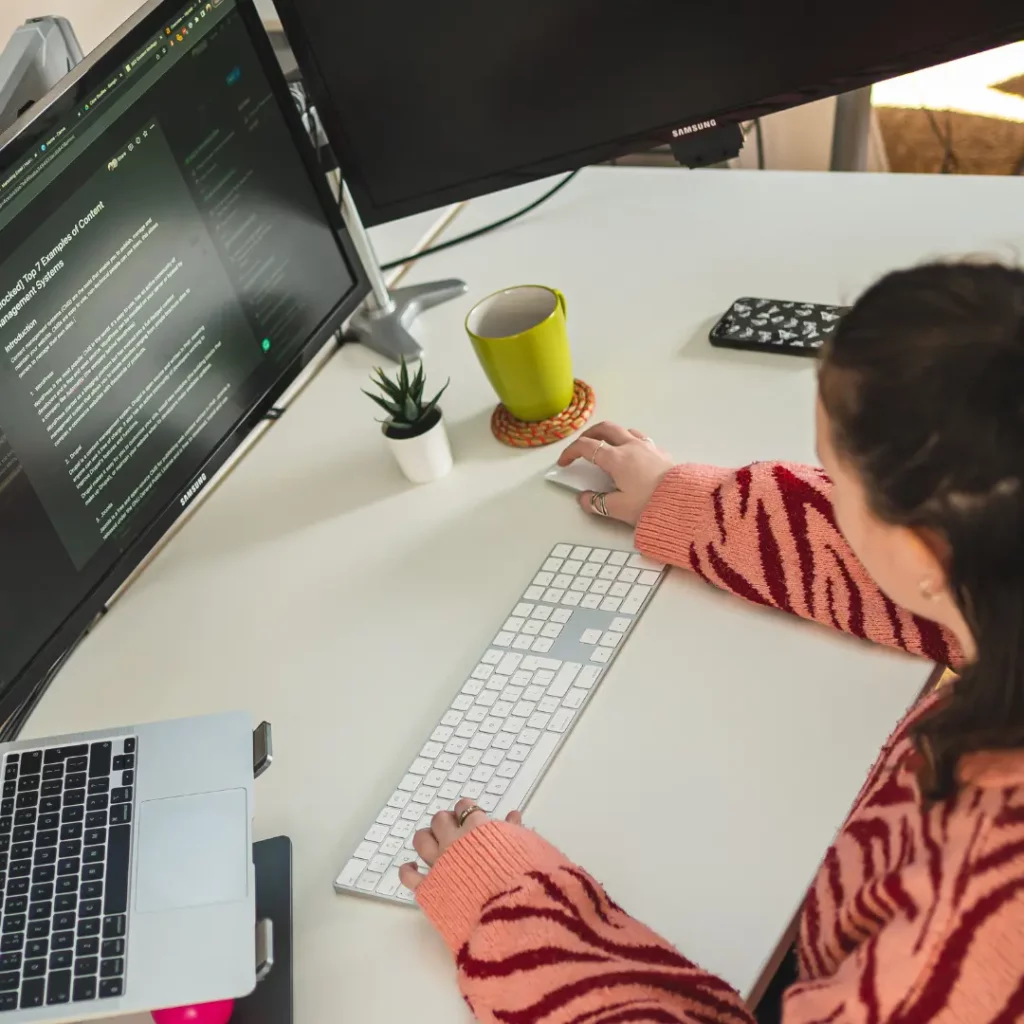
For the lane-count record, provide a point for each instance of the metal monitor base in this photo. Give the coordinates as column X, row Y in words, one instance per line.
column 383, row 324
column 387, row 331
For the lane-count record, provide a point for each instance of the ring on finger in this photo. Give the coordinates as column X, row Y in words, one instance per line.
column 464, row 814
column 597, row 451
column 597, row 503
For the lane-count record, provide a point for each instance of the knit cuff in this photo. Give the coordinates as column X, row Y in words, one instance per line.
column 475, row 869
column 682, row 502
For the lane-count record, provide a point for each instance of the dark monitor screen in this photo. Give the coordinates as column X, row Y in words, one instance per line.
column 169, row 256
column 430, row 103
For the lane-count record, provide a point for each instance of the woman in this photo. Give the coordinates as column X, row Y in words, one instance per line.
column 914, row 538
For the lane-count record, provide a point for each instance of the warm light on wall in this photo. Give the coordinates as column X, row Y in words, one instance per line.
column 966, row 85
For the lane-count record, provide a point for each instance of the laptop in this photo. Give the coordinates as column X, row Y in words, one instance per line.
column 127, row 878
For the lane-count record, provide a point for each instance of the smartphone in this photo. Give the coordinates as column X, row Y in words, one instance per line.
column 777, row 325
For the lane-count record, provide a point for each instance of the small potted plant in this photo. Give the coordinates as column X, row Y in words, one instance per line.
column 414, row 429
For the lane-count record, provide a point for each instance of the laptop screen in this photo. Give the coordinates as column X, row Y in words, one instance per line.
column 165, row 258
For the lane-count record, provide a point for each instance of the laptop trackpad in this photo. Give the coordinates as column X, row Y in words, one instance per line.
column 192, row 851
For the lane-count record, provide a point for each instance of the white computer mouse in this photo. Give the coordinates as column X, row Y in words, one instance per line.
column 580, row 476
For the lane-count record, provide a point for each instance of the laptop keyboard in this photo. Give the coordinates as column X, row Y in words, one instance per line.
column 65, row 839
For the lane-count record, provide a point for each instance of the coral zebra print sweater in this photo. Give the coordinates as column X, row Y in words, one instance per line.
column 916, row 914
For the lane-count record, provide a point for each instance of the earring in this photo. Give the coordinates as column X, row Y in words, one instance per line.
column 927, row 590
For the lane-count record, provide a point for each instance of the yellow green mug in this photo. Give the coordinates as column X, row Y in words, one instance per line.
column 520, row 339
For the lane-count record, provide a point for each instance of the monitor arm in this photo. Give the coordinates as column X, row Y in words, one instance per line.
column 38, row 55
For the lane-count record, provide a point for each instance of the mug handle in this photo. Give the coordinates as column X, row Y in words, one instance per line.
column 561, row 302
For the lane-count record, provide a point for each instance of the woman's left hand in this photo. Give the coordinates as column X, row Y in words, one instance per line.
column 444, row 830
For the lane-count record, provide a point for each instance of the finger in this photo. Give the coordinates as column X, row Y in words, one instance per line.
column 444, row 829
column 478, row 817
column 609, row 432
column 514, row 818
column 640, row 436
column 601, row 453
column 409, row 875
column 426, row 845
column 614, row 501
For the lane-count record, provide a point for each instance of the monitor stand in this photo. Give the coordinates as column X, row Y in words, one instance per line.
column 383, row 322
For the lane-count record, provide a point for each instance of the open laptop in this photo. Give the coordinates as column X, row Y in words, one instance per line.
column 127, row 878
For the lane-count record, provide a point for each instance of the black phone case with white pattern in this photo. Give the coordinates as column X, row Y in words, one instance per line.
column 774, row 325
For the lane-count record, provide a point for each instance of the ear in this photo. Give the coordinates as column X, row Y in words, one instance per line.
column 928, row 559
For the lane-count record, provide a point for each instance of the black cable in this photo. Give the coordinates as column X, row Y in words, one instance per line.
column 760, row 144
column 950, row 162
column 484, row 230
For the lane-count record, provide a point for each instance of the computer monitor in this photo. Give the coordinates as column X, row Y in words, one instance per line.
column 170, row 256
column 429, row 103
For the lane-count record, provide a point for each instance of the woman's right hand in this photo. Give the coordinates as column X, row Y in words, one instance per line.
column 630, row 458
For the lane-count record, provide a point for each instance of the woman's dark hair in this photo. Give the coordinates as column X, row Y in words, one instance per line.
column 924, row 387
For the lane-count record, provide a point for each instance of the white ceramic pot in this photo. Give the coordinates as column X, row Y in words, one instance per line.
column 425, row 457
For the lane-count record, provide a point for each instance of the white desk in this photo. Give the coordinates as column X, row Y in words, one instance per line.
column 318, row 590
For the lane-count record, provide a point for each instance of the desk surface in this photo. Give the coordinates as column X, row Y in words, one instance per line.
column 318, row 590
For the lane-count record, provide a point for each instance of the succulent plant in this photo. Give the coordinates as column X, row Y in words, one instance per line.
column 402, row 399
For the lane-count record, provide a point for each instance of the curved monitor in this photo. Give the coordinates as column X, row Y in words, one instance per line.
column 430, row 103
column 170, row 257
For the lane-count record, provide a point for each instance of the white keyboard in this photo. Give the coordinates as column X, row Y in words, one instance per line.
column 511, row 716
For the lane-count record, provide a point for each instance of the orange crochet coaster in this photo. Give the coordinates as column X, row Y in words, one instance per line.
column 507, row 429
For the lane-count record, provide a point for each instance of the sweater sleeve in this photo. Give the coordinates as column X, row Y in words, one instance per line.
column 768, row 533
column 536, row 939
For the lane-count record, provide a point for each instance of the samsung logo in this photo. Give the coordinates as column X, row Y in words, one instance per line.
column 196, row 487
column 691, row 128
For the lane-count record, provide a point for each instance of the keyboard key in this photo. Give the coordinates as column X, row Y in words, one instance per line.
column 58, row 987
column 78, row 764
column 63, row 921
column 38, row 929
column 610, row 639
column 13, row 923
column 10, row 961
column 101, row 785
column 88, row 926
column 26, row 782
column 61, row 959
column 76, row 780
column 77, row 813
column 602, row 655
column 68, row 866
column 12, row 942
column 72, row 797
column 34, row 968
column 8, row 1001
column 99, row 759
column 40, row 912
column 48, row 822
column 89, row 908
column 66, row 901
column 36, row 948
column 93, row 854
column 67, row 883
column 95, row 819
column 31, row 762
column 89, row 965
column 62, row 940
column 129, row 745
column 111, row 987
column 32, row 993
column 84, row 988
column 91, row 891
